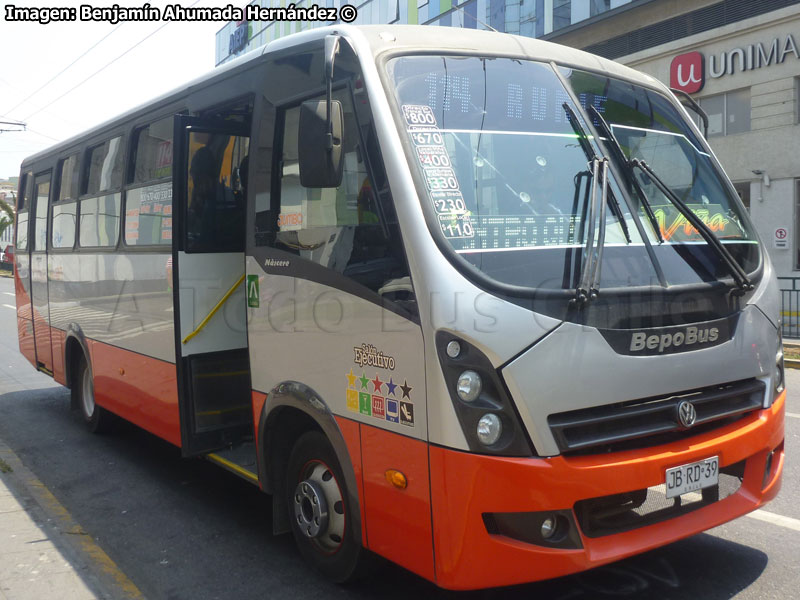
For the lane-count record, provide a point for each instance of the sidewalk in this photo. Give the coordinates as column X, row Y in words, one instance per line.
column 30, row 564
column 44, row 553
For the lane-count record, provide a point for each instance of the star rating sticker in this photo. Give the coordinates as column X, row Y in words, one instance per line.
column 406, row 389
column 377, row 384
column 391, row 386
column 364, row 381
column 351, row 378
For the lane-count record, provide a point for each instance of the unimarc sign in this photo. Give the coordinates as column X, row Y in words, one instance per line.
column 688, row 71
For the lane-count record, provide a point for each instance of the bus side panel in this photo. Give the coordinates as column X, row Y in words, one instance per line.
column 352, row 437
column 57, row 340
column 399, row 521
column 25, row 334
column 138, row 388
column 24, row 314
column 258, row 398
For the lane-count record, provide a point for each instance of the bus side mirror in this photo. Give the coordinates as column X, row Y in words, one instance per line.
column 320, row 165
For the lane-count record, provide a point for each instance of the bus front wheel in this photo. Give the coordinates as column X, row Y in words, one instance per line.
column 320, row 510
column 96, row 418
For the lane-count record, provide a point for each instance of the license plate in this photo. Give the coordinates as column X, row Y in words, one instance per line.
column 692, row 477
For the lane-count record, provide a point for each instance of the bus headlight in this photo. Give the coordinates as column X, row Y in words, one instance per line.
column 484, row 408
column 489, row 429
column 469, row 386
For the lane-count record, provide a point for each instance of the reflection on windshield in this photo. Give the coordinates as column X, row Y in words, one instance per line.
column 686, row 171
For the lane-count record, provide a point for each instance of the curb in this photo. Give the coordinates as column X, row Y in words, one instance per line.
column 88, row 560
column 791, row 363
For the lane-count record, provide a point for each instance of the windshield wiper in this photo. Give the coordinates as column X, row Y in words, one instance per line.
column 619, row 154
column 739, row 276
column 593, row 253
column 583, row 139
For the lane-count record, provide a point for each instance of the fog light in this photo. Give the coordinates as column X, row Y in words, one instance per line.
column 767, row 469
column 469, row 386
column 453, row 349
column 548, row 528
column 489, row 429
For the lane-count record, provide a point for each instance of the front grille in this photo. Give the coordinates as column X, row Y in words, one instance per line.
column 608, row 515
column 651, row 421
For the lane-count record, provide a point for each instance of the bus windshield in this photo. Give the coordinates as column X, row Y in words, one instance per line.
column 509, row 182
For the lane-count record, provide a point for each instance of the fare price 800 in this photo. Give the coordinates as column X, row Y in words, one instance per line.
column 419, row 115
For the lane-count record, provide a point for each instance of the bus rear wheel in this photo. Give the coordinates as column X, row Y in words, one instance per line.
column 96, row 418
column 320, row 510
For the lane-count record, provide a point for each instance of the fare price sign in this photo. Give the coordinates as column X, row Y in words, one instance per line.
column 440, row 177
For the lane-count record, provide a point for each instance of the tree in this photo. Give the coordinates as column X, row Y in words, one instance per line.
column 7, row 218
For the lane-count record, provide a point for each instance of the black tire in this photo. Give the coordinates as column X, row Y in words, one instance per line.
column 96, row 418
column 334, row 551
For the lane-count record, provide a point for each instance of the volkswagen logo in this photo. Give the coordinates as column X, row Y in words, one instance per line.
column 687, row 415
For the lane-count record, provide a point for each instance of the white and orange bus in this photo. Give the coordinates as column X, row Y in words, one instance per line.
column 480, row 304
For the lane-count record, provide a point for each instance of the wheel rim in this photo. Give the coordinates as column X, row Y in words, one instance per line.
column 87, row 394
column 319, row 507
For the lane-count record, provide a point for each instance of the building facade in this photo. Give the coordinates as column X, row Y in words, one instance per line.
column 739, row 58
column 532, row 18
column 741, row 61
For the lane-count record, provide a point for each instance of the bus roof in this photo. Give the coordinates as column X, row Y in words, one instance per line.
column 383, row 38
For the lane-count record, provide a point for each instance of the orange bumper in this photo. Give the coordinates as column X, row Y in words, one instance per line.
column 464, row 486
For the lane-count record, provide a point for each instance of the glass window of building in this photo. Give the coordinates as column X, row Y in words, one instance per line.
column 743, row 190
column 728, row 113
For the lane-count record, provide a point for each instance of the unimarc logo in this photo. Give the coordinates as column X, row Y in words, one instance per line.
column 687, row 72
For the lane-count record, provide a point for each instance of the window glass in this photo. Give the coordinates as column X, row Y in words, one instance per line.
column 100, row 221
column 63, row 227
column 217, row 176
column 153, row 152
column 715, row 108
column 148, row 215
column 68, row 179
column 743, row 190
column 340, row 228
column 737, row 118
column 104, row 167
column 23, row 206
column 40, row 226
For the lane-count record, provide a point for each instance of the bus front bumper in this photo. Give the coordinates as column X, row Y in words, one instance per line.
column 467, row 489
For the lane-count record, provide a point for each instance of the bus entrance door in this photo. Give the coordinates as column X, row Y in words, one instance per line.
column 39, row 291
column 212, row 355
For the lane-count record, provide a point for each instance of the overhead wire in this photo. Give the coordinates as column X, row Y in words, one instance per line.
column 73, row 88
column 62, row 71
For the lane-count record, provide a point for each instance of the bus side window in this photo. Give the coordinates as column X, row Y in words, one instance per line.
column 65, row 206
column 215, row 211
column 342, row 229
column 100, row 211
column 148, row 201
column 23, row 209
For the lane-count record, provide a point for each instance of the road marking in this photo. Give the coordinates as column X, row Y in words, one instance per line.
column 9, row 293
column 9, row 306
column 795, row 415
column 780, row 520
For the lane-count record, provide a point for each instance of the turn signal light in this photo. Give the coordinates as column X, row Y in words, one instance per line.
column 397, row 479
